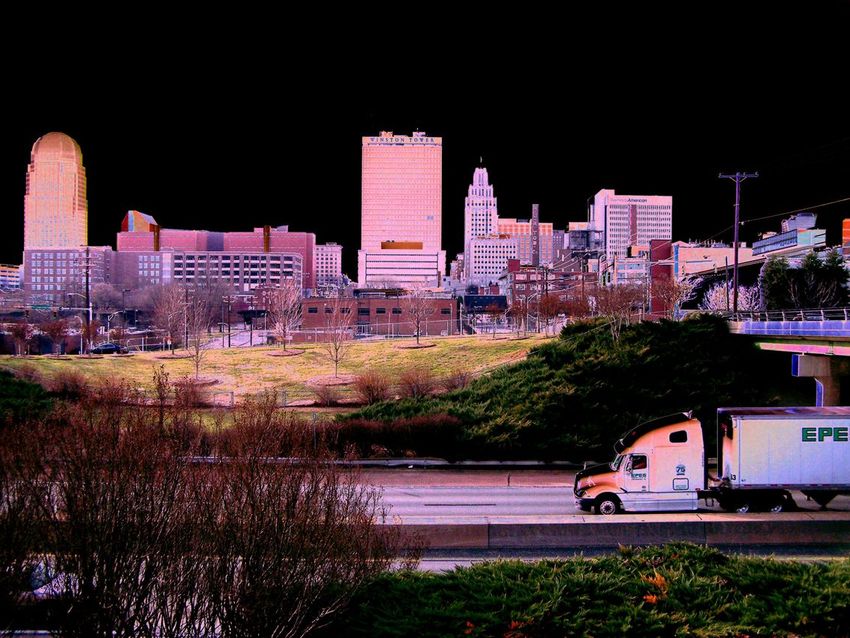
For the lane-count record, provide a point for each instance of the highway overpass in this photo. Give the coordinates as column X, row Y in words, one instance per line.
column 817, row 339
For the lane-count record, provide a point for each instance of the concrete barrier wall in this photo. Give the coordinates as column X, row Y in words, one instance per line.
column 611, row 533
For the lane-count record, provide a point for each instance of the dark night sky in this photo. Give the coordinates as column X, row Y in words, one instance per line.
column 202, row 131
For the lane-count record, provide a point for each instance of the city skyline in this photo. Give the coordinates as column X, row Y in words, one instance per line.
column 663, row 111
column 815, row 186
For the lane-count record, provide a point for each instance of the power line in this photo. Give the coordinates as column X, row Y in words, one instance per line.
column 798, row 210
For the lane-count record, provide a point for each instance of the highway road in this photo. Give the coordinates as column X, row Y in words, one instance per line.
column 427, row 504
column 461, row 517
column 409, row 503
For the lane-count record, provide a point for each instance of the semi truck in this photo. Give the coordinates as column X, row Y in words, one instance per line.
column 762, row 454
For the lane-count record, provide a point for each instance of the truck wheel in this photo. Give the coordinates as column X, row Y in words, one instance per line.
column 607, row 505
column 742, row 507
column 776, row 507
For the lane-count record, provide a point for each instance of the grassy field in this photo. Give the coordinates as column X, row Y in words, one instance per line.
column 247, row 371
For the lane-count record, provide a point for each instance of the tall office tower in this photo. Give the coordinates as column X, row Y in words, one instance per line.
column 481, row 215
column 55, row 207
column 401, row 211
column 630, row 220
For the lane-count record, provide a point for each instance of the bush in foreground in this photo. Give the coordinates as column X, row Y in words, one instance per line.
column 676, row 590
column 152, row 527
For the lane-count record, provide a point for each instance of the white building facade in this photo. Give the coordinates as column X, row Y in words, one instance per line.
column 480, row 214
column 328, row 267
column 487, row 258
column 630, row 220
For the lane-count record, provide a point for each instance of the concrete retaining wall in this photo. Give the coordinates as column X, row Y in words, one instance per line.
column 791, row 529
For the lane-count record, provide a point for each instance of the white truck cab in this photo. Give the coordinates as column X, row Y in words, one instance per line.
column 660, row 466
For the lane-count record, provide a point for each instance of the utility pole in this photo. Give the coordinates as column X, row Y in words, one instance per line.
column 737, row 178
column 88, row 298
column 186, row 318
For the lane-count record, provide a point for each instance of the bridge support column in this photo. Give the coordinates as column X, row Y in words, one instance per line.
column 826, row 372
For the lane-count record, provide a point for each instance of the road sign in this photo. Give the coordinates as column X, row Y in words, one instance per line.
column 40, row 307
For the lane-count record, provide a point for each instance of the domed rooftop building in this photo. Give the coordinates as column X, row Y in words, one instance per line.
column 55, row 204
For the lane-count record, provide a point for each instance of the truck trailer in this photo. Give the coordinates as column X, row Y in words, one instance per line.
column 762, row 454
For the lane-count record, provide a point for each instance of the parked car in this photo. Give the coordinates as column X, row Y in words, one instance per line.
column 108, row 348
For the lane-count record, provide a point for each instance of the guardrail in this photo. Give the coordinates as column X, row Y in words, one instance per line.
column 793, row 314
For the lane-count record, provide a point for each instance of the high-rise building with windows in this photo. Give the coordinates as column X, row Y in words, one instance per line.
column 55, row 206
column 480, row 219
column 481, row 211
column 630, row 220
column 401, row 211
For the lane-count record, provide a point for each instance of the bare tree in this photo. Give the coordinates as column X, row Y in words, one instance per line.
column 672, row 293
column 55, row 331
column 271, row 540
column 749, row 298
column 337, row 335
column 105, row 297
column 21, row 507
column 618, row 304
column 718, row 298
column 117, row 498
column 518, row 312
column 118, row 335
column 22, row 333
column 197, row 325
column 577, row 304
column 296, row 538
column 495, row 312
column 549, row 307
column 283, row 305
column 214, row 292
column 90, row 331
column 419, row 305
column 168, row 309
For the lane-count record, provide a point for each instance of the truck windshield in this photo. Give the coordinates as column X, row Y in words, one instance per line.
column 615, row 464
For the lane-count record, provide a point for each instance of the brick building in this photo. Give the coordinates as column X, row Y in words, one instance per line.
column 381, row 315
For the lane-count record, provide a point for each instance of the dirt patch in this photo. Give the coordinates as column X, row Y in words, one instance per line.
column 86, row 357
column 201, row 382
column 415, row 346
column 173, row 357
column 285, row 353
column 343, row 379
